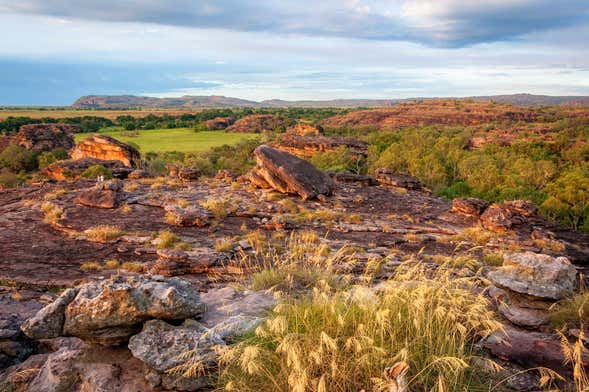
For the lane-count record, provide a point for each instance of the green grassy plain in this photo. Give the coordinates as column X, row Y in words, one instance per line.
column 179, row 139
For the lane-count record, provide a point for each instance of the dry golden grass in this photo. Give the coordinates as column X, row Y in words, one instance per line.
column 91, row 266
column 125, row 208
column 112, row 264
column 337, row 340
column 52, row 213
column 104, row 233
column 224, row 245
column 55, row 194
column 132, row 267
column 220, row 207
column 476, row 235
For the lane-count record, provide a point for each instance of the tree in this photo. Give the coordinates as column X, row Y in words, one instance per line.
column 568, row 199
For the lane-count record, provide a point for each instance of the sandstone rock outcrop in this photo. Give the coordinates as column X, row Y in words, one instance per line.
column 470, row 206
column 501, row 217
column 307, row 146
column 106, row 194
column 218, row 123
column 257, row 123
column 73, row 168
column 111, row 311
column 188, row 216
column 176, row 262
column 44, row 137
column 398, row 180
column 106, row 148
column 304, row 129
column 288, row 174
column 48, row 322
column 161, row 346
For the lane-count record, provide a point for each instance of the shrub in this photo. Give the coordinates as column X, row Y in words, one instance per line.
column 9, row 179
column 18, row 159
column 97, row 170
column 47, row 158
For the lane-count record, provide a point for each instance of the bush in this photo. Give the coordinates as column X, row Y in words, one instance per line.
column 340, row 160
column 18, row 159
column 97, row 170
column 8, row 179
column 47, row 158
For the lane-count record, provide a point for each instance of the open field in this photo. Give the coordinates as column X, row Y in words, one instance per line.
column 180, row 139
column 110, row 114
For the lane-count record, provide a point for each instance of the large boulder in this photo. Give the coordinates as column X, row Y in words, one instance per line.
column 73, row 168
column 288, row 174
column 537, row 275
column 111, row 311
column 164, row 347
column 48, row 322
column 106, row 148
column 45, row 137
column 106, row 194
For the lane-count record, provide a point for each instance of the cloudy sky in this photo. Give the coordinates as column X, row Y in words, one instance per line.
column 53, row 51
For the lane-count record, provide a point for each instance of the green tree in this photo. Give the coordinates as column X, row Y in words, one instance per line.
column 568, row 199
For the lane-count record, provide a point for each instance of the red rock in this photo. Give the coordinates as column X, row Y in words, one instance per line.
column 106, row 148
column 469, row 206
column 45, row 137
column 388, row 177
column 257, row 123
column 103, row 195
column 307, row 146
column 73, row 168
column 304, row 129
column 501, row 217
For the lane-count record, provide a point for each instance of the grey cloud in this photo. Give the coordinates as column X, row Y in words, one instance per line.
column 453, row 23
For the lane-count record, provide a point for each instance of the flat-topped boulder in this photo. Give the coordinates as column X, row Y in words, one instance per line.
column 111, row 311
column 537, row 275
column 73, row 168
column 286, row 173
column 106, row 148
column 44, row 137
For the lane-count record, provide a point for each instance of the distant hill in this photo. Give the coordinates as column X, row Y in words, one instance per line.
column 215, row 101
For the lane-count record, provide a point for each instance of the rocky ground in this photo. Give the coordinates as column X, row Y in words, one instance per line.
column 104, row 241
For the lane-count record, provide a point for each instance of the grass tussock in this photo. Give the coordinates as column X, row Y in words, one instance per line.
column 52, row 213
column 132, row 267
column 91, row 266
column 220, row 207
column 476, row 235
column 104, row 233
column 169, row 240
column 570, row 311
column 335, row 340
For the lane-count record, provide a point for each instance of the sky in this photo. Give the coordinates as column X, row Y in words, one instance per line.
column 54, row 51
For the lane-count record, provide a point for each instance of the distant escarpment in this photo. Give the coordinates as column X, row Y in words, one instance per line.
column 214, row 101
